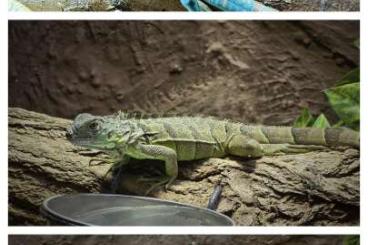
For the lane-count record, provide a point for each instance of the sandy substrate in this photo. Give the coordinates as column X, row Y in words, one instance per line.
column 252, row 71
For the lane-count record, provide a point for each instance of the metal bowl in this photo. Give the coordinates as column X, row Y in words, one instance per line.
column 123, row 210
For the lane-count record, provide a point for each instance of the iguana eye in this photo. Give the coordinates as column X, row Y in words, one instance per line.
column 109, row 135
column 93, row 126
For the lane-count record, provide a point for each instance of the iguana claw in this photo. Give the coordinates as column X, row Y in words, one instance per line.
column 160, row 182
column 99, row 161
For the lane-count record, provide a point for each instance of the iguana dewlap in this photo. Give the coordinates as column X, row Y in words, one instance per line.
column 173, row 139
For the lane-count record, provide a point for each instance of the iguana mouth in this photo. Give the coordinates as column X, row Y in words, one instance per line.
column 88, row 144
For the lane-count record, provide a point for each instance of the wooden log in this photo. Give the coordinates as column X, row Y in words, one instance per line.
column 315, row 188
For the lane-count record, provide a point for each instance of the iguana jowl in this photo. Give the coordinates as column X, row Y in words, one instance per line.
column 173, row 139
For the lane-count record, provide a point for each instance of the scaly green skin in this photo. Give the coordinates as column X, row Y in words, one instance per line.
column 175, row 139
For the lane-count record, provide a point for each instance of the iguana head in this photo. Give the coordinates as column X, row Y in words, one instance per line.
column 98, row 132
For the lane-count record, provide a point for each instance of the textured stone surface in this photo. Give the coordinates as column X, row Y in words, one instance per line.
column 316, row 188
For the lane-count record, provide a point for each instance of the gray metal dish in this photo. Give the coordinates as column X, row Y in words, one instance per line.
column 123, row 210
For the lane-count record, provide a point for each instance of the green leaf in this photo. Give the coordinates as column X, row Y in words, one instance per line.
column 321, row 122
column 305, row 119
column 345, row 101
column 355, row 126
column 351, row 77
column 338, row 124
column 352, row 240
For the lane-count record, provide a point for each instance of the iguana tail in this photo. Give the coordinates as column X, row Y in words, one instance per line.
column 305, row 136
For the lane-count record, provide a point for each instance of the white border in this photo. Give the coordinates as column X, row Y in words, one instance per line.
column 4, row 16
column 363, row 123
column 3, row 121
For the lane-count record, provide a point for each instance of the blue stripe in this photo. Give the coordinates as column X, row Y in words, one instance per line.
column 194, row 5
column 225, row 5
column 232, row 5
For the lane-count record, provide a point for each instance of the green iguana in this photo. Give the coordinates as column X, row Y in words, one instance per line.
column 172, row 139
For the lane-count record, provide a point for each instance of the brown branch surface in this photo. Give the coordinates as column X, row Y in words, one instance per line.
column 316, row 188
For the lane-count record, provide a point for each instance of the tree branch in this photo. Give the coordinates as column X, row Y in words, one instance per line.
column 316, row 188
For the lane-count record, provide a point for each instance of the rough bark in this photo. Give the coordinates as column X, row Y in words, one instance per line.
column 178, row 239
column 316, row 188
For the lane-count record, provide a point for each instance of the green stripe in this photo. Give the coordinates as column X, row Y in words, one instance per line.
column 171, row 133
column 170, row 130
column 278, row 135
column 196, row 135
column 309, row 136
column 332, row 136
column 254, row 132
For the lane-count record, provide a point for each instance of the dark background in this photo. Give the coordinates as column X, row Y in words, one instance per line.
column 253, row 71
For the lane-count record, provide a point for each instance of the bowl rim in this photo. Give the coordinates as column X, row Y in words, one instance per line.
column 53, row 215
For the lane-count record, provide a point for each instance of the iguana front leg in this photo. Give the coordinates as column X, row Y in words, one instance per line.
column 117, row 159
column 157, row 152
